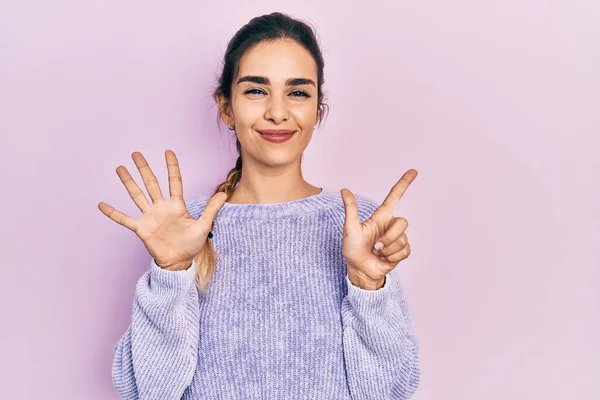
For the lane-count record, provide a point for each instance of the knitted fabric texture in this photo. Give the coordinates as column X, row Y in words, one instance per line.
column 281, row 319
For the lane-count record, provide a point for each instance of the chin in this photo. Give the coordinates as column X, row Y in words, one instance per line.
column 281, row 160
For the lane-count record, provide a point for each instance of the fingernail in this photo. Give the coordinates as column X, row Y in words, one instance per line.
column 378, row 246
column 375, row 252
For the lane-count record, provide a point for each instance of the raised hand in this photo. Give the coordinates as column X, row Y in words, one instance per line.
column 171, row 236
column 368, row 262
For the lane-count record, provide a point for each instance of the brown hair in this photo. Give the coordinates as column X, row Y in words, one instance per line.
column 270, row 27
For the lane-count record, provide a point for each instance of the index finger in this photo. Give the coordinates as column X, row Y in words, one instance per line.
column 397, row 191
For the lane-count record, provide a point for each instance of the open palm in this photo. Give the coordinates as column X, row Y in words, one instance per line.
column 170, row 234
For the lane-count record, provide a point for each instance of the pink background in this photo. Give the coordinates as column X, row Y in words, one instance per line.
column 496, row 104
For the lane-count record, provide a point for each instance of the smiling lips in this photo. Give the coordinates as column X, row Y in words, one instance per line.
column 276, row 135
column 276, row 132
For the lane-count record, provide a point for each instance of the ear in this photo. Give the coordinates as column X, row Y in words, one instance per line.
column 224, row 110
column 320, row 108
column 318, row 115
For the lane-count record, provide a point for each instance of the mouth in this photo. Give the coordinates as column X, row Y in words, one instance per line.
column 276, row 132
column 276, row 136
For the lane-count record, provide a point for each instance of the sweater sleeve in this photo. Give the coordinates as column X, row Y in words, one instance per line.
column 381, row 350
column 380, row 344
column 157, row 356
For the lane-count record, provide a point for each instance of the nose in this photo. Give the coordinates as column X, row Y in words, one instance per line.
column 276, row 110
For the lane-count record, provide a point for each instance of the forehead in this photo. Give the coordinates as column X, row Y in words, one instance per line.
column 278, row 61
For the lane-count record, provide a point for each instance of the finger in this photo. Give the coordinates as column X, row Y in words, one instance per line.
column 136, row 194
column 394, row 246
column 397, row 192
column 148, row 176
column 397, row 256
column 352, row 220
column 118, row 216
column 175, row 182
column 211, row 209
column 396, row 227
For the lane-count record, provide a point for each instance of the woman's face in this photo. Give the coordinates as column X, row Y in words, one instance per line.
column 275, row 89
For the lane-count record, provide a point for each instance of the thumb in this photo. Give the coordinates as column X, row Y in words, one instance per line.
column 352, row 222
column 212, row 207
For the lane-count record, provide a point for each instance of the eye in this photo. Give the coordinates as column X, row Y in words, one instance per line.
column 302, row 93
column 253, row 91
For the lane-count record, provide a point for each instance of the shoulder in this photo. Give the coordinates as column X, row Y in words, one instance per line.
column 364, row 204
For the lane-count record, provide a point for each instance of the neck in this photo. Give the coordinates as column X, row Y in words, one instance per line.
column 271, row 186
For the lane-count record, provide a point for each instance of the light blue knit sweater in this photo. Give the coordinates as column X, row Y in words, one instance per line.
column 281, row 319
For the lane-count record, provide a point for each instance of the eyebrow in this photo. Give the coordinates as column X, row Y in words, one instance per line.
column 261, row 80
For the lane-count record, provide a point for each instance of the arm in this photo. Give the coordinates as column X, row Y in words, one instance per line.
column 380, row 343
column 381, row 350
column 156, row 357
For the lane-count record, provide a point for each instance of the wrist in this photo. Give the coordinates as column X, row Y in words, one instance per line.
column 360, row 280
column 176, row 267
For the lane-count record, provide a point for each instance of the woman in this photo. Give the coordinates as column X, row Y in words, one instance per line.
column 301, row 303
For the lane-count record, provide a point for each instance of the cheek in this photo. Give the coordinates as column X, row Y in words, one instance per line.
column 305, row 116
column 248, row 112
